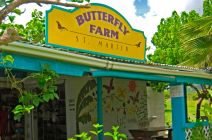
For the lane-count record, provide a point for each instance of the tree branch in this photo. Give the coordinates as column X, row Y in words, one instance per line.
column 196, row 89
column 67, row 4
column 9, row 8
column 9, row 35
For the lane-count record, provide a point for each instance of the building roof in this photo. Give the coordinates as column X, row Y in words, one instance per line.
column 165, row 66
column 102, row 62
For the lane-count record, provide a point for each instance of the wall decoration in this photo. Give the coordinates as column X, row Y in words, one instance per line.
column 121, row 93
column 124, row 103
column 110, row 86
column 127, row 100
column 84, row 99
column 134, row 99
column 132, row 85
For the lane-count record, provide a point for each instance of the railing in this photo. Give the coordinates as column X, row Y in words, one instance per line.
column 205, row 128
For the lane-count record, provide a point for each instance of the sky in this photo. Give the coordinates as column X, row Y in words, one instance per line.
column 143, row 15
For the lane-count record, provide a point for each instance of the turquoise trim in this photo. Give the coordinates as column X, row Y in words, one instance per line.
column 186, row 104
column 86, row 51
column 178, row 116
column 99, row 106
column 174, row 80
column 129, row 75
column 192, row 125
column 184, row 79
column 26, row 63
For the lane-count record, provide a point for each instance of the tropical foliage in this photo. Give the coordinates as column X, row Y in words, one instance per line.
column 167, row 40
column 115, row 134
column 196, row 39
column 186, row 39
column 180, row 38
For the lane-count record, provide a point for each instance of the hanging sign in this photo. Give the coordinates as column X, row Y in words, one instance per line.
column 97, row 30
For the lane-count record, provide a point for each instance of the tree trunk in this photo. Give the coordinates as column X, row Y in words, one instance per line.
column 199, row 103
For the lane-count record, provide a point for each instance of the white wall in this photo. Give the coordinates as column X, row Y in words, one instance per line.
column 156, row 108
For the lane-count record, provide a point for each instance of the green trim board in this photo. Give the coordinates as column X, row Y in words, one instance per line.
column 111, row 48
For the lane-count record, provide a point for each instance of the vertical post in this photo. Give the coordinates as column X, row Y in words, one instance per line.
column 99, row 106
column 178, row 111
column 70, row 97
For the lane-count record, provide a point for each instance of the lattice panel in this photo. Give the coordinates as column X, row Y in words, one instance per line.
column 188, row 134
column 206, row 130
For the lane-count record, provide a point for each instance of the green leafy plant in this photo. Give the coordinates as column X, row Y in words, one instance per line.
column 207, row 109
column 28, row 100
column 87, row 136
column 198, row 132
column 35, row 28
column 115, row 134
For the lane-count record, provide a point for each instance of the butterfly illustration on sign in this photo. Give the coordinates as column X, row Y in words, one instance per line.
column 138, row 44
column 60, row 27
column 110, row 86
column 134, row 99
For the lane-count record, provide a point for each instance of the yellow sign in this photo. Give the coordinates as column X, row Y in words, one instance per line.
column 98, row 30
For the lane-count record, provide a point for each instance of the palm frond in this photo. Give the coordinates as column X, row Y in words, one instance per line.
column 196, row 40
